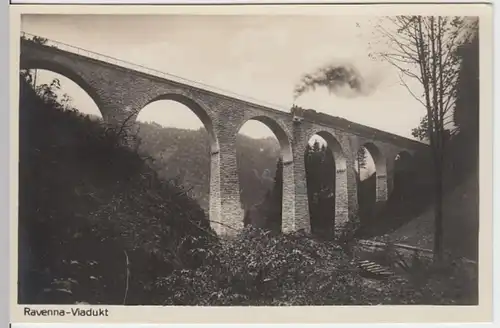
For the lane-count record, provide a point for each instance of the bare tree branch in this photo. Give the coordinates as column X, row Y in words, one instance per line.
column 409, row 90
column 425, row 48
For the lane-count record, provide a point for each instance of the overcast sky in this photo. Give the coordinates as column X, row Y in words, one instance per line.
column 263, row 57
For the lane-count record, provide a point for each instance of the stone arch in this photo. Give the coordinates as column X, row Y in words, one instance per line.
column 67, row 72
column 341, row 214
column 286, row 155
column 381, row 171
column 197, row 109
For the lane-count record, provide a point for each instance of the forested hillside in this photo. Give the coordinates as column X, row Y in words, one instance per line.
column 185, row 155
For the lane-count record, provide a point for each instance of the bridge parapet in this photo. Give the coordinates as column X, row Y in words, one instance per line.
column 28, row 37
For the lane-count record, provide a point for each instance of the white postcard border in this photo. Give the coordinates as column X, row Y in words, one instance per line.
column 306, row 314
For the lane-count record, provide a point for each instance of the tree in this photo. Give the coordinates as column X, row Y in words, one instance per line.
column 271, row 206
column 361, row 160
column 320, row 168
column 48, row 92
column 363, row 191
column 26, row 75
column 466, row 113
column 66, row 101
column 425, row 49
column 420, row 132
column 276, row 196
column 313, row 179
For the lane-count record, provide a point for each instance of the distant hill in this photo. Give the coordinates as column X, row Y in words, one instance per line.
column 185, row 155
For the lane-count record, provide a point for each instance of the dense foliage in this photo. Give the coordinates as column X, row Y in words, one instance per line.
column 93, row 216
column 261, row 268
column 320, row 177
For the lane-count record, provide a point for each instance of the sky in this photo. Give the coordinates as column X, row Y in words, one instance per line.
column 262, row 57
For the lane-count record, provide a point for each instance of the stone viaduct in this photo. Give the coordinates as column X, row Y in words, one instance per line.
column 119, row 88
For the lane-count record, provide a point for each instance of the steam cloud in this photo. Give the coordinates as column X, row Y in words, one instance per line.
column 343, row 80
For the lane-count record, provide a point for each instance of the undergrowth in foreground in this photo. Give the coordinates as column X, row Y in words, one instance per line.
column 260, row 268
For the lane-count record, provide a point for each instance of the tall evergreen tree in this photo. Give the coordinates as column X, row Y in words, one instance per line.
column 361, row 160
column 271, row 206
column 365, row 191
column 276, row 198
column 466, row 111
column 320, row 176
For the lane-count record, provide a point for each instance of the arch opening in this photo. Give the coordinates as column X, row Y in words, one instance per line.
column 374, row 153
column 71, row 90
column 177, row 139
column 264, row 157
column 326, row 179
column 187, row 119
column 62, row 91
column 371, row 179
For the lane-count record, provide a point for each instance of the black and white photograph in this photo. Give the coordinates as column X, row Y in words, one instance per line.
column 248, row 160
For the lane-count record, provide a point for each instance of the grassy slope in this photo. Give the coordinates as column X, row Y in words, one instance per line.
column 460, row 208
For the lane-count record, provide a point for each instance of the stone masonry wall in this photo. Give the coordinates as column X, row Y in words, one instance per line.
column 119, row 92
